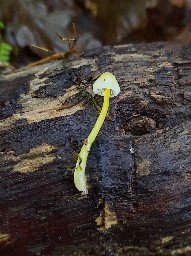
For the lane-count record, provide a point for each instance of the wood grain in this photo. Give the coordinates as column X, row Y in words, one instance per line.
column 139, row 168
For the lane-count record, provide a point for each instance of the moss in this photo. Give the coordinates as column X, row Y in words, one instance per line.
column 5, row 48
column 88, row 98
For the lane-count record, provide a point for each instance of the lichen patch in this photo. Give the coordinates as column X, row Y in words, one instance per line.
column 38, row 109
column 4, row 238
column 107, row 217
column 35, row 108
column 8, row 123
column 143, row 168
column 175, row 146
column 34, row 159
column 166, row 239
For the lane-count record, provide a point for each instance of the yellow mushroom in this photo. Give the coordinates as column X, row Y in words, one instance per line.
column 106, row 85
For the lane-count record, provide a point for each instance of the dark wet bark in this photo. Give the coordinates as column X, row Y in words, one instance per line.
column 139, row 201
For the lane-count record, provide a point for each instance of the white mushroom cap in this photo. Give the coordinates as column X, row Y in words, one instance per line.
column 106, row 81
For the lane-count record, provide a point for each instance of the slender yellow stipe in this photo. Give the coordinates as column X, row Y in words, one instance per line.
column 107, row 86
column 101, row 117
column 79, row 173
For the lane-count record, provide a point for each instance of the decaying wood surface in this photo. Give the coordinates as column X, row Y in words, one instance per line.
column 139, row 168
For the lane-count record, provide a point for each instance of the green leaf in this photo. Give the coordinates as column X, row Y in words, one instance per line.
column 1, row 25
column 5, row 51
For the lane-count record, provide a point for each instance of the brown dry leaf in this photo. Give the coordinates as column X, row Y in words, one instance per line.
column 178, row 3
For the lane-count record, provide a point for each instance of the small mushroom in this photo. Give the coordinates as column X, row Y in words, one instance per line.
column 106, row 81
column 106, row 85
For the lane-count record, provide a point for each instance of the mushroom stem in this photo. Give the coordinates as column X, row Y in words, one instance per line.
column 80, row 180
column 101, row 117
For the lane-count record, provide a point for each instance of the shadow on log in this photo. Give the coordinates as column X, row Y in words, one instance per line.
column 139, row 167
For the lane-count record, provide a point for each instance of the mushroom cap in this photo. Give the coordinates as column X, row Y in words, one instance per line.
column 106, row 81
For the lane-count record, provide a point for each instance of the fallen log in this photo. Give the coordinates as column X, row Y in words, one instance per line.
column 139, row 167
